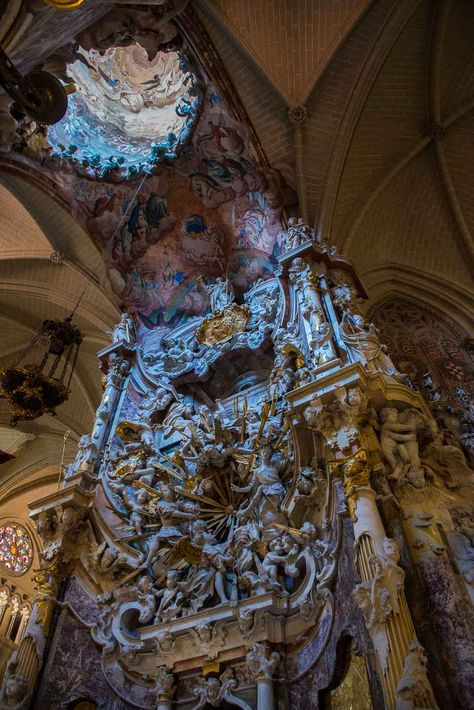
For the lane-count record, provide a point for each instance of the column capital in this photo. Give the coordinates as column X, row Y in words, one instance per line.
column 262, row 661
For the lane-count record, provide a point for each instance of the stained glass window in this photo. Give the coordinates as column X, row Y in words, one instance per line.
column 16, row 550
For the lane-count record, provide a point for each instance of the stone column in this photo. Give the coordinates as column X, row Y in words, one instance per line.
column 263, row 663
column 25, row 663
column 381, row 595
column 163, row 688
column 118, row 369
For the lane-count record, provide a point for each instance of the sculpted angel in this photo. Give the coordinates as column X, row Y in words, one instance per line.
column 220, row 293
column 108, row 561
column 171, row 598
column 267, row 494
column 171, row 513
column 207, row 577
column 134, row 505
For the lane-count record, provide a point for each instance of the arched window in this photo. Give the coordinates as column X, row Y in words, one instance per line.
column 14, row 627
column 434, row 353
column 16, row 549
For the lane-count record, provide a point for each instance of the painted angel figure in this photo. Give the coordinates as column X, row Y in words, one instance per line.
column 221, row 293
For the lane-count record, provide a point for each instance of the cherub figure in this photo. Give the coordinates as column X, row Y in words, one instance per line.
column 171, row 598
column 108, row 560
column 15, row 693
column 398, row 442
column 274, row 558
column 147, row 598
column 134, row 505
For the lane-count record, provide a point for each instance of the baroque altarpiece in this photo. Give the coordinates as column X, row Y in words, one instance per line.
column 220, row 551
column 265, row 514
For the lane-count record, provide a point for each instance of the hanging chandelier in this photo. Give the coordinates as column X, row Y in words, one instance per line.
column 39, row 381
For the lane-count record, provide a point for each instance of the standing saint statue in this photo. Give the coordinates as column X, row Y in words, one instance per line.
column 124, row 330
column 221, row 292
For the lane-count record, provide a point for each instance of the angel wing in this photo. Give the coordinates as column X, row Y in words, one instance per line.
column 184, row 549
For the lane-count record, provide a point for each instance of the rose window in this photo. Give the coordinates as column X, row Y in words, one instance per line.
column 16, row 549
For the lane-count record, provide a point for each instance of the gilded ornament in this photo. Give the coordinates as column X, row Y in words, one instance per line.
column 64, row 4
column 46, row 594
column 128, row 431
column 209, row 668
column 223, row 325
column 356, row 475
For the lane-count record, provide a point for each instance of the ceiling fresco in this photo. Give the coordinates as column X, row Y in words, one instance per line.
column 127, row 113
column 212, row 212
column 155, row 166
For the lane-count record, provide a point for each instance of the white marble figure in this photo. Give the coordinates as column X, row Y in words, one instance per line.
column 15, row 692
column 267, row 493
column 220, row 293
column 86, row 457
column 414, row 689
column 262, row 662
column 361, row 338
column 171, row 598
column 207, row 578
column 124, row 331
column 178, row 419
column 156, row 401
column 146, row 596
column 298, row 233
column 134, row 505
column 263, row 312
column 447, row 461
column 378, row 597
column 108, row 561
column 216, row 691
column 171, row 513
column 398, row 441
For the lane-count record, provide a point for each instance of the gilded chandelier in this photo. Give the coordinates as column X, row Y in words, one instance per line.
column 34, row 388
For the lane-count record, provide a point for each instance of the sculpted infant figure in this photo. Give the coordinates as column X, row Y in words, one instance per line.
column 399, row 443
column 171, row 598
